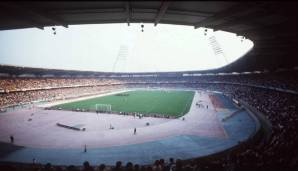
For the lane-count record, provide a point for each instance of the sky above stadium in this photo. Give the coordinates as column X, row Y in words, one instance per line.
column 120, row 48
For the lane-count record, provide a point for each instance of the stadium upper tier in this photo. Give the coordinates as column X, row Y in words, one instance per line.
column 272, row 26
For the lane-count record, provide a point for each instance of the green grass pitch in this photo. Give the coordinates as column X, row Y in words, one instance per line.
column 172, row 102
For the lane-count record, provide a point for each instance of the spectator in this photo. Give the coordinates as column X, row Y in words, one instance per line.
column 87, row 167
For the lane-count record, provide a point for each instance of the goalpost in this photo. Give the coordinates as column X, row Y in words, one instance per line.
column 103, row 107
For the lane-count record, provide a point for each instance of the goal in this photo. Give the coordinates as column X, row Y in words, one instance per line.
column 103, row 107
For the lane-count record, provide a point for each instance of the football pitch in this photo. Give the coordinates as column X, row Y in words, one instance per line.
column 165, row 102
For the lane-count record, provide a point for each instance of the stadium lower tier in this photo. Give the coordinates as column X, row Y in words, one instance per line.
column 275, row 149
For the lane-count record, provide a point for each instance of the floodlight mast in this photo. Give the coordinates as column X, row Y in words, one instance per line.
column 218, row 51
column 121, row 58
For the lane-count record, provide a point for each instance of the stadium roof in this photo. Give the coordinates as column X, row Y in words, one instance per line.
column 272, row 26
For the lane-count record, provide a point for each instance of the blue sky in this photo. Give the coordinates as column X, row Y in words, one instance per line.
column 119, row 48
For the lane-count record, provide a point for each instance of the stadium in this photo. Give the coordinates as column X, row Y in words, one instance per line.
column 236, row 115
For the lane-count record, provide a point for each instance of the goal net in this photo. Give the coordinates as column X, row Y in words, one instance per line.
column 103, row 107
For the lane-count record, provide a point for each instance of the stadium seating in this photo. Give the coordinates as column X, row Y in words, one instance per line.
column 24, row 90
column 273, row 94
